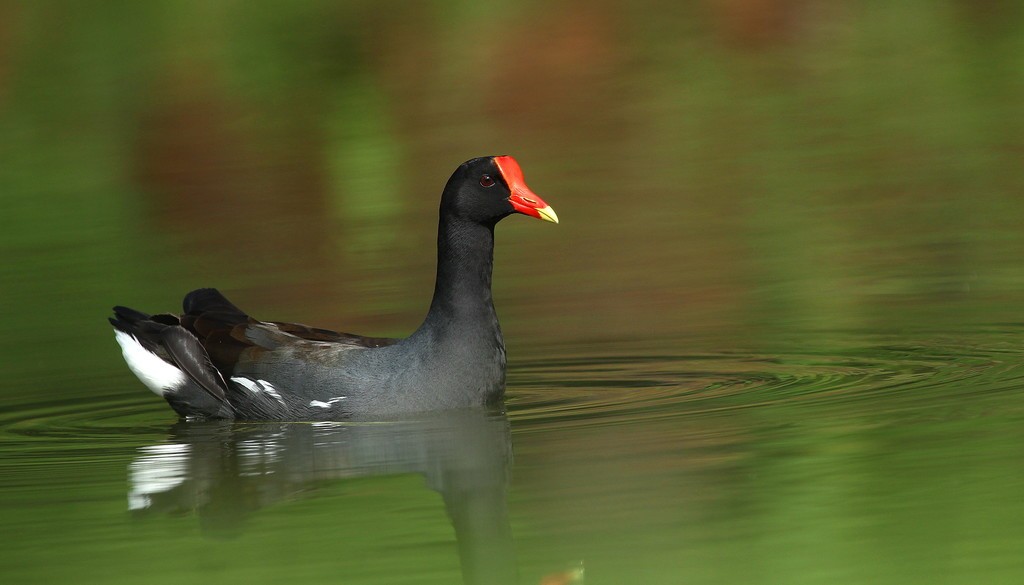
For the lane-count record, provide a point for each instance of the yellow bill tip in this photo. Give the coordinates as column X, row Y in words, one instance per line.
column 548, row 214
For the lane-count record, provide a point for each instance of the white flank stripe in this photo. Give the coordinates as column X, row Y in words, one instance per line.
column 158, row 375
column 246, row 383
column 269, row 389
column 257, row 386
column 327, row 404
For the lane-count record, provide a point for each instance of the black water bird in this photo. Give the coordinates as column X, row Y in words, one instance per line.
column 215, row 361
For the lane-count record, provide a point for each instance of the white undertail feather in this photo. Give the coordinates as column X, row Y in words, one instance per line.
column 157, row 375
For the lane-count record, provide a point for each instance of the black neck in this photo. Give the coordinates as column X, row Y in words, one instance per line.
column 462, row 291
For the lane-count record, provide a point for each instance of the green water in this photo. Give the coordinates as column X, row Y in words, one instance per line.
column 775, row 339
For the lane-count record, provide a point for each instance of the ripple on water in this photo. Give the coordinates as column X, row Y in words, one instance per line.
column 586, row 386
column 87, row 429
column 635, row 385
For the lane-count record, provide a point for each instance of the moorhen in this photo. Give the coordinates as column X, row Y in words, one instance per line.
column 214, row 361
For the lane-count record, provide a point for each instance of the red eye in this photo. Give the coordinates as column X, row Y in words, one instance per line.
column 486, row 181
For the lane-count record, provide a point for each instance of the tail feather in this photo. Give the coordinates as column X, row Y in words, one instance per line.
column 171, row 362
column 127, row 320
column 210, row 300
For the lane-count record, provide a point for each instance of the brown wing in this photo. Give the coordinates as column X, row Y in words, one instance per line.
column 317, row 334
column 226, row 331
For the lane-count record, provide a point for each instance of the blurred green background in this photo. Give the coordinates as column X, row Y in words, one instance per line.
column 718, row 164
column 777, row 177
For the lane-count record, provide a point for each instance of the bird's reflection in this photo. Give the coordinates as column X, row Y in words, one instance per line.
column 225, row 471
